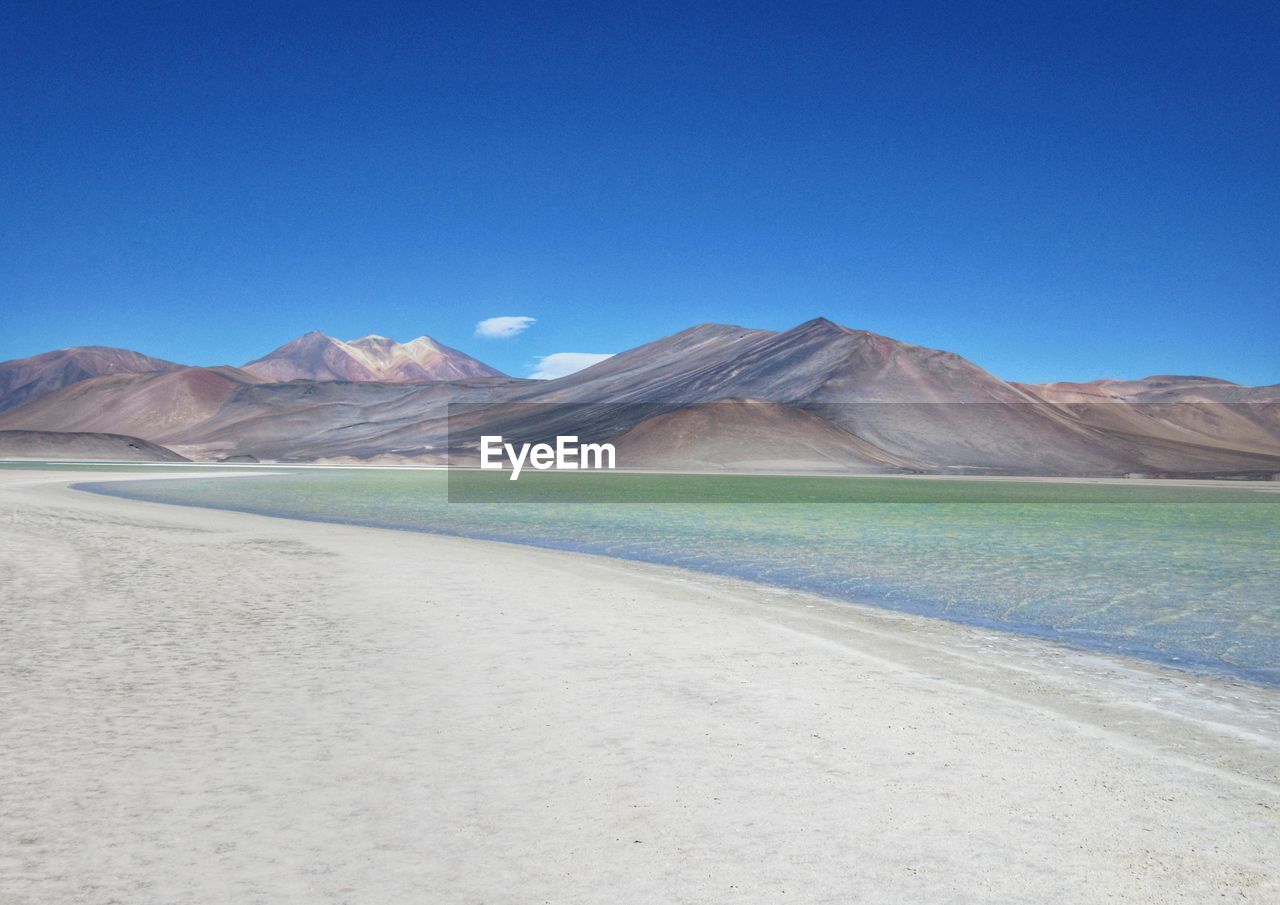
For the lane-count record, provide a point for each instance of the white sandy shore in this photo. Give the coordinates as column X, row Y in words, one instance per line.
column 210, row 707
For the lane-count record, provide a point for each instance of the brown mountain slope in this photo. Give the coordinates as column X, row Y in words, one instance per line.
column 25, row 379
column 215, row 412
column 312, row 420
column 160, row 407
column 747, row 435
column 1150, row 389
column 1198, row 410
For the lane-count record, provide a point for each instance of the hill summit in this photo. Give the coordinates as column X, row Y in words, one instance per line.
column 315, row 356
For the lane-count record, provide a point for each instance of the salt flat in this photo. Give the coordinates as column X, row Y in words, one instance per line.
column 206, row 706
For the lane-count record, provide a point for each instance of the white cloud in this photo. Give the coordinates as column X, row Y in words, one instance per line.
column 503, row 327
column 559, row 364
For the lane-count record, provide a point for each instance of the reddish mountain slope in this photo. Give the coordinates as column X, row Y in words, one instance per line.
column 160, row 406
column 25, row 379
column 1199, row 410
column 747, row 435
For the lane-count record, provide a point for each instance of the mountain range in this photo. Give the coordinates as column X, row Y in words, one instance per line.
column 313, row 356
column 817, row 397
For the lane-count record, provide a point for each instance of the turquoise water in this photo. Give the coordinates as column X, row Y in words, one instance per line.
column 1182, row 578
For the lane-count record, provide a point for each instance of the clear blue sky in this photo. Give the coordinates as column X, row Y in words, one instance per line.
column 1055, row 191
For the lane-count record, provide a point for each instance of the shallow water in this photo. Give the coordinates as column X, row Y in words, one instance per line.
column 1172, row 579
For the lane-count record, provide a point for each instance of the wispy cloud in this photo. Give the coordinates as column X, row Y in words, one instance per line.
column 503, row 327
column 559, row 364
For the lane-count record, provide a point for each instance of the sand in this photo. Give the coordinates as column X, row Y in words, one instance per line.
column 212, row 707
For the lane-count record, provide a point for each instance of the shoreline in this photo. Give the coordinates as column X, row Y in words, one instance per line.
column 620, row 659
column 1257, row 485
column 953, row 634
column 1070, row 656
column 1134, row 656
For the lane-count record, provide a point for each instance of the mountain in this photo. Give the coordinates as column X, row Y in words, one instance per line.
column 672, row 369
column 1162, row 388
column 53, row 445
column 420, row 359
column 747, row 435
column 817, row 361
column 316, row 356
column 160, row 406
column 308, row 420
column 819, row 397
column 220, row 412
column 927, row 409
column 885, row 403
column 1198, row 410
column 25, row 379
column 901, row 398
